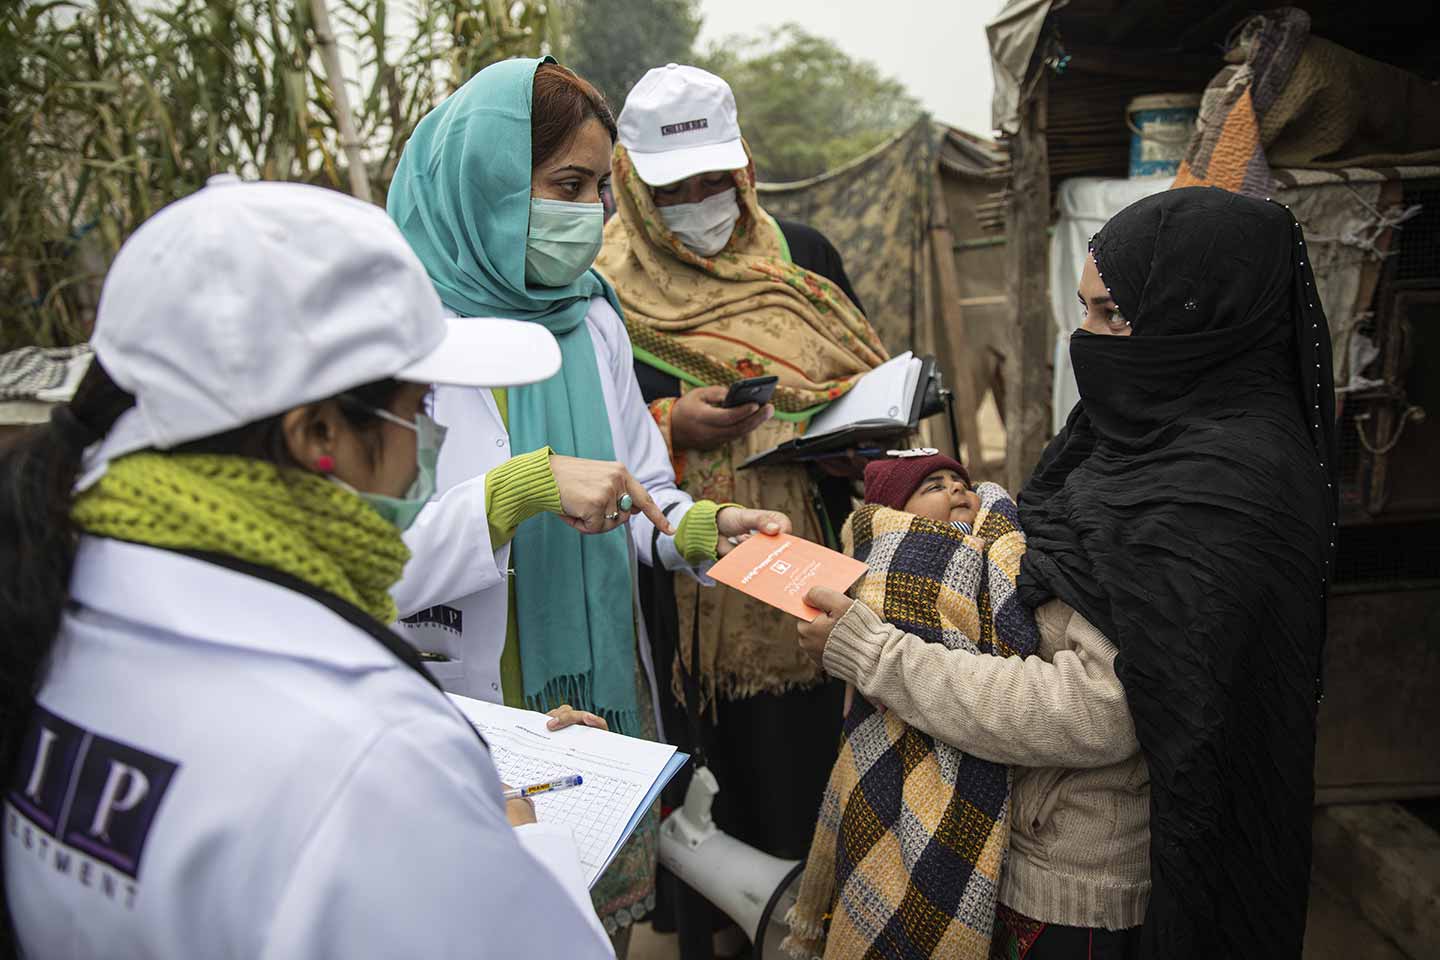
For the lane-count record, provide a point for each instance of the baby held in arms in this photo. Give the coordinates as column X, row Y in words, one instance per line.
column 907, row 819
column 939, row 488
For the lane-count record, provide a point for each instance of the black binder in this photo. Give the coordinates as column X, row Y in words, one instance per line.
column 924, row 403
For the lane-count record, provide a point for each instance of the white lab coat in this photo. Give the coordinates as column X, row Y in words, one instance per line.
column 454, row 589
column 221, row 766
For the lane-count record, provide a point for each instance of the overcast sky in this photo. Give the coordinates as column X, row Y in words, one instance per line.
column 935, row 47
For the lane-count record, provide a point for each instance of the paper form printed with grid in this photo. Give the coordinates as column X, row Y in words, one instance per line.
column 623, row 775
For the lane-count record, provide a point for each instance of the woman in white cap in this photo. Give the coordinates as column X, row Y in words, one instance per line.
column 499, row 193
column 213, row 746
column 716, row 290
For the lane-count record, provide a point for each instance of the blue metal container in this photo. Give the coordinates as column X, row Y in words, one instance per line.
column 1161, row 126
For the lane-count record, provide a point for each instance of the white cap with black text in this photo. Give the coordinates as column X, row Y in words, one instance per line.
column 244, row 300
column 679, row 121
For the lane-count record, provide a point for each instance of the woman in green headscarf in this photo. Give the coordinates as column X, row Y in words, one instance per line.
column 498, row 192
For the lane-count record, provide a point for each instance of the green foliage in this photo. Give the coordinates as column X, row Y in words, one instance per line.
column 612, row 43
column 111, row 109
column 805, row 106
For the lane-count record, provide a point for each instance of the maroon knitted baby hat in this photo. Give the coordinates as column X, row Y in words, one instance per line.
column 891, row 481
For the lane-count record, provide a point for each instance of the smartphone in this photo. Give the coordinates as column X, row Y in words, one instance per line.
column 756, row 390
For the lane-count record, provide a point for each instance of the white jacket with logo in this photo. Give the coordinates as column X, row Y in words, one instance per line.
column 225, row 766
column 454, row 591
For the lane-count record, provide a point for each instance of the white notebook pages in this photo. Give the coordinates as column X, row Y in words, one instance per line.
column 623, row 775
column 886, row 393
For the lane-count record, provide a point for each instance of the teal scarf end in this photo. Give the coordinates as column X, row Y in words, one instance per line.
column 574, row 598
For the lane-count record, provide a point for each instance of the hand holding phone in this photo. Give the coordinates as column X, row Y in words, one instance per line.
column 756, row 390
column 706, row 418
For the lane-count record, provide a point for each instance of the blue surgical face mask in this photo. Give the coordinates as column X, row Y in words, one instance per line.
column 402, row 511
column 564, row 240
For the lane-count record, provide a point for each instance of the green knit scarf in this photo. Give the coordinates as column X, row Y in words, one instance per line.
column 288, row 520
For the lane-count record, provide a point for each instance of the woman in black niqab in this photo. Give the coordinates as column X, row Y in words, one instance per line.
column 1188, row 510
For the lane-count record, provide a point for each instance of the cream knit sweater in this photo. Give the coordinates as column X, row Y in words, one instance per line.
column 1080, row 805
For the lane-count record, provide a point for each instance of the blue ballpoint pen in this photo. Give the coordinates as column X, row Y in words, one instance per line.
column 549, row 786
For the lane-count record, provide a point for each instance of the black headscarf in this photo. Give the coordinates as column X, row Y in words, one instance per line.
column 1188, row 510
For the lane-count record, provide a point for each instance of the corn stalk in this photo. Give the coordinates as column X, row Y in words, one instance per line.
column 110, row 109
column 344, row 118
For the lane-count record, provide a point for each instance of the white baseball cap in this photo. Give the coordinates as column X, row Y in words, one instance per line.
column 245, row 300
column 679, row 121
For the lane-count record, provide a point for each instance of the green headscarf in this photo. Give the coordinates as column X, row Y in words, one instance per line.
column 461, row 197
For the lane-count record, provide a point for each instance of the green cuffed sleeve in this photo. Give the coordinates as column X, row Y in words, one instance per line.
column 698, row 533
column 518, row 489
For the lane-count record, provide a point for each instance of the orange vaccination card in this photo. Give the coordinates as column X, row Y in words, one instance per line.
column 780, row 570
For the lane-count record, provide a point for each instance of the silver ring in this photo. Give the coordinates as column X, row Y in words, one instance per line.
column 626, row 503
column 612, row 516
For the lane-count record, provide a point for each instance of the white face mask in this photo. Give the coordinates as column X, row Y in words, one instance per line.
column 704, row 227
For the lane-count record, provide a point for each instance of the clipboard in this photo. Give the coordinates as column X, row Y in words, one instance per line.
column 869, row 430
column 623, row 775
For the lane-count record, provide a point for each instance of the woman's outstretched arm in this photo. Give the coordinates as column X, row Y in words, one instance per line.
column 1069, row 711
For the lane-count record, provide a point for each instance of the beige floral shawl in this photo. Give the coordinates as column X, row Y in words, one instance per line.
column 745, row 312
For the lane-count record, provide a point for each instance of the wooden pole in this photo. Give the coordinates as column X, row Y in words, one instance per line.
column 959, row 366
column 335, row 76
column 1028, row 361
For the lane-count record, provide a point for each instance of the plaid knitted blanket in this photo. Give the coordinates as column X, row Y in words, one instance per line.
column 912, row 832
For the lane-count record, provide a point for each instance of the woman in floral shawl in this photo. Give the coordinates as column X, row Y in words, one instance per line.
column 712, row 294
